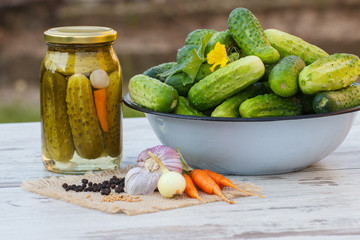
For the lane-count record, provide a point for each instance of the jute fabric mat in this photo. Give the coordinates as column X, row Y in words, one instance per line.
column 52, row 187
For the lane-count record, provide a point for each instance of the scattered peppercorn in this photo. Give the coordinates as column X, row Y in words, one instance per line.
column 119, row 189
column 103, row 187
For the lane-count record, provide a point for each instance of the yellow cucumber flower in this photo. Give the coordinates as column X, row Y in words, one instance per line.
column 217, row 56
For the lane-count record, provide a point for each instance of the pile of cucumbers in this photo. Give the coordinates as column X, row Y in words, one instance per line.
column 270, row 74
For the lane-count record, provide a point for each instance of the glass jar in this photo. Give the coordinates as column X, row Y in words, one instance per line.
column 81, row 96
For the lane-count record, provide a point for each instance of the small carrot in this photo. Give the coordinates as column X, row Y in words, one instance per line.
column 225, row 182
column 190, row 189
column 205, row 183
column 100, row 104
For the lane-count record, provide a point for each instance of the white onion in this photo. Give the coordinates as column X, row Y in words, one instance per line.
column 99, row 79
column 171, row 183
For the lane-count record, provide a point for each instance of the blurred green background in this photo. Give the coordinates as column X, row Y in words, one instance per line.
column 149, row 33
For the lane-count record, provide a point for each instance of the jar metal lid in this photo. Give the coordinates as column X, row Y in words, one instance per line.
column 80, row 35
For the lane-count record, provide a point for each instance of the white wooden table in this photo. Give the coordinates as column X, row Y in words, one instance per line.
column 320, row 202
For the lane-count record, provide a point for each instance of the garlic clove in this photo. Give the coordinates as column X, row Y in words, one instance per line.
column 140, row 181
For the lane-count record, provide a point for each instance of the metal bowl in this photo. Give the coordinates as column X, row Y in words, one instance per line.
column 251, row 146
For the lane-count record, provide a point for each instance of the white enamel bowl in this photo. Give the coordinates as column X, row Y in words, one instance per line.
column 253, row 146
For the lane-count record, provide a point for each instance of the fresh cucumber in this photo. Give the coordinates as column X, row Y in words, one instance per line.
column 247, row 32
column 230, row 107
column 330, row 73
column 268, row 68
column 332, row 101
column 155, row 71
column 226, row 82
column 203, row 72
column 152, row 94
column 196, row 36
column 223, row 37
column 306, row 101
column 184, row 52
column 184, row 108
column 288, row 44
column 270, row 105
column 177, row 82
column 283, row 78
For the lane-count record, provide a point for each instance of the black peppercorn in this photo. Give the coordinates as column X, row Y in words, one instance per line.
column 119, row 189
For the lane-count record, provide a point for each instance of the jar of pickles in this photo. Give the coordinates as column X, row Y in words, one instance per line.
column 81, row 96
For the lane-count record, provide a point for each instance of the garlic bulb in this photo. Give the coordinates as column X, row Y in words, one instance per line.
column 169, row 156
column 139, row 180
column 143, row 178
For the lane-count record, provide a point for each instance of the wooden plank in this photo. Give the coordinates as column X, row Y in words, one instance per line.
column 320, row 202
column 327, row 205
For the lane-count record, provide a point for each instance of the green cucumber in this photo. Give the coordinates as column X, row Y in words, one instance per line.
column 56, row 127
column 87, row 135
column 306, row 101
column 223, row 37
column 332, row 101
column 208, row 112
column 283, row 78
column 177, row 82
column 270, row 105
column 268, row 68
column 156, row 70
column 330, row 73
column 183, row 53
column 203, row 72
column 247, row 32
column 226, row 82
column 196, row 36
column 230, row 107
column 184, row 108
column 152, row 94
column 288, row 44
column 113, row 138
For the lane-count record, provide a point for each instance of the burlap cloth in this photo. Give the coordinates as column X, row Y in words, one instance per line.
column 52, row 187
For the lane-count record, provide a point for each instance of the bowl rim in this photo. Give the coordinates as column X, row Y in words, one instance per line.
column 128, row 102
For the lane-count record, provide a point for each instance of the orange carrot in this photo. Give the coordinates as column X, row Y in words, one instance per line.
column 100, row 104
column 190, row 189
column 225, row 182
column 205, row 183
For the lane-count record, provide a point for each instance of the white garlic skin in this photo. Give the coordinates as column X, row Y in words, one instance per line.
column 171, row 183
column 99, row 79
column 138, row 180
column 169, row 156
